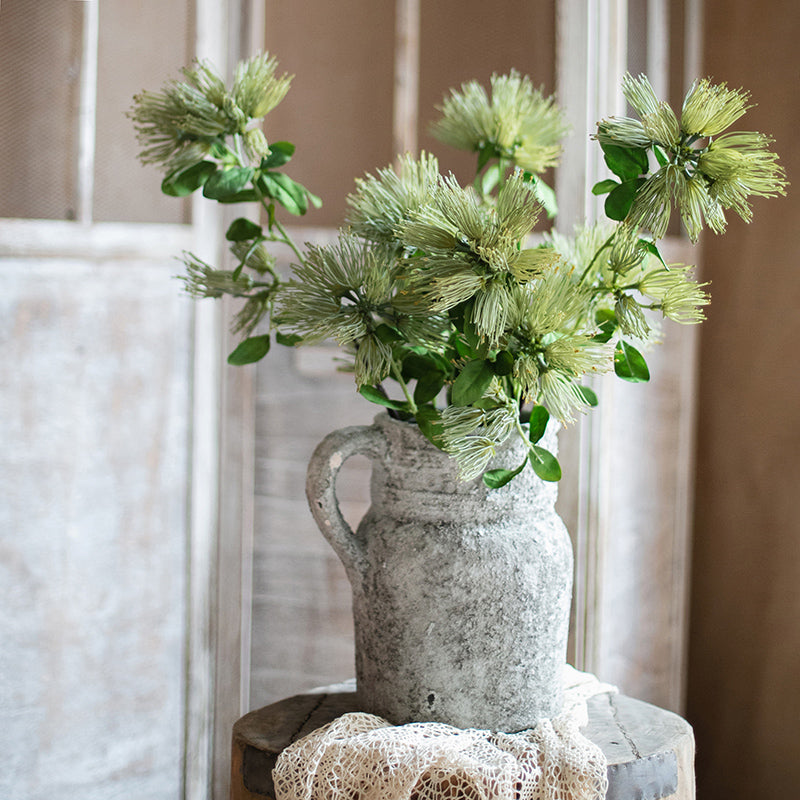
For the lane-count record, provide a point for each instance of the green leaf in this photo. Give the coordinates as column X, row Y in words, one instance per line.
column 488, row 403
column 626, row 162
column 375, row 396
column 490, row 179
column 605, row 315
column 495, row 478
column 428, row 387
column 607, row 330
column 629, row 363
column 603, row 187
column 472, row 337
column 417, row 365
column 288, row 339
column 503, row 363
column 545, row 464
column 183, row 182
column 279, row 154
column 226, row 183
column 651, row 248
column 545, row 195
column 589, row 396
column 245, row 196
column 619, row 201
column 537, row 423
column 474, row 380
column 462, row 348
column 242, row 229
column 249, row 350
column 606, row 320
column 428, row 419
column 290, row 194
column 418, row 361
column 388, row 334
column 485, row 154
column 660, row 157
column 314, row 200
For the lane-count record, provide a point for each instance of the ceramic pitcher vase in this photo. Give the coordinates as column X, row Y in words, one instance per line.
column 461, row 593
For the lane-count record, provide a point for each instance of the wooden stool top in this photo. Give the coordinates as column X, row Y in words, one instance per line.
column 650, row 751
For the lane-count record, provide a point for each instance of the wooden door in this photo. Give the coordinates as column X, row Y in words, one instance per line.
column 110, row 415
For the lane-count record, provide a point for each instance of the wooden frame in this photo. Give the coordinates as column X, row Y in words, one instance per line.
column 646, row 655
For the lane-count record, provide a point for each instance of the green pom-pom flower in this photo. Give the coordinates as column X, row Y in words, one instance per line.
column 516, row 122
column 703, row 171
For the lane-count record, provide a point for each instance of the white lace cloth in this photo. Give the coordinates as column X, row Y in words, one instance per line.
column 363, row 757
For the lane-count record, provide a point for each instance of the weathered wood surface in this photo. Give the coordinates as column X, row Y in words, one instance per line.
column 650, row 751
column 93, row 534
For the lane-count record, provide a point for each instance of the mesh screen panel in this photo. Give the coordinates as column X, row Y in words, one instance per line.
column 40, row 47
column 142, row 45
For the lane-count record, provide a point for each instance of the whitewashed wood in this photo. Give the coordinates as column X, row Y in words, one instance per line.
column 658, row 46
column 232, row 598
column 86, row 113
column 590, row 63
column 627, row 504
column 105, row 275
column 93, row 483
column 34, row 238
column 222, row 482
column 406, row 76
column 302, row 624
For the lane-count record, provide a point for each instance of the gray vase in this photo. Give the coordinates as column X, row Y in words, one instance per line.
column 461, row 594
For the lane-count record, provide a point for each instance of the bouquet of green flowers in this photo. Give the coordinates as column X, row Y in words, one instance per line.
column 439, row 288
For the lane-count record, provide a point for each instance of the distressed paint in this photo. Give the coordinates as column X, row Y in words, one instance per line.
column 93, row 471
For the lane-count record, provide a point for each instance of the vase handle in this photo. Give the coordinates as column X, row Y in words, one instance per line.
column 323, row 468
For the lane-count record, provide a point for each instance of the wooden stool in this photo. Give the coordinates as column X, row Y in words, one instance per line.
column 650, row 751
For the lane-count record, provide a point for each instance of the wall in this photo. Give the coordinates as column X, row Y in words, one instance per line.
column 744, row 674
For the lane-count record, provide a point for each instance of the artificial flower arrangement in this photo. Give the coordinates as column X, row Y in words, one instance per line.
column 436, row 287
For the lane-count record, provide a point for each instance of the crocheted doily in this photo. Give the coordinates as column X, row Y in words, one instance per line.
column 363, row 757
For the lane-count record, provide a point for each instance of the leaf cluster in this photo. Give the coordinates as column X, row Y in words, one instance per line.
column 449, row 315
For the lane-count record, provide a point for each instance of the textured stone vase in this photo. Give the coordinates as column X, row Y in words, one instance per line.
column 461, row 594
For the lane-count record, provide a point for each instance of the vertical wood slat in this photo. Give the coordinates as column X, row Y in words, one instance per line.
column 406, row 76
column 211, row 37
column 233, row 592
column 629, row 513
column 586, row 88
column 658, row 46
column 693, row 41
column 87, row 111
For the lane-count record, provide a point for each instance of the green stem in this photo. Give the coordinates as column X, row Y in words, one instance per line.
column 270, row 268
column 503, row 164
column 631, row 287
column 237, row 141
column 398, row 376
column 605, row 244
column 524, row 436
column 285, row 237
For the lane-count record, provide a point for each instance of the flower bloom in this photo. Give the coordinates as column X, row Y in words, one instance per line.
column 179, row 125
column 473, row 251
column 516, row 123
column 702, row 171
